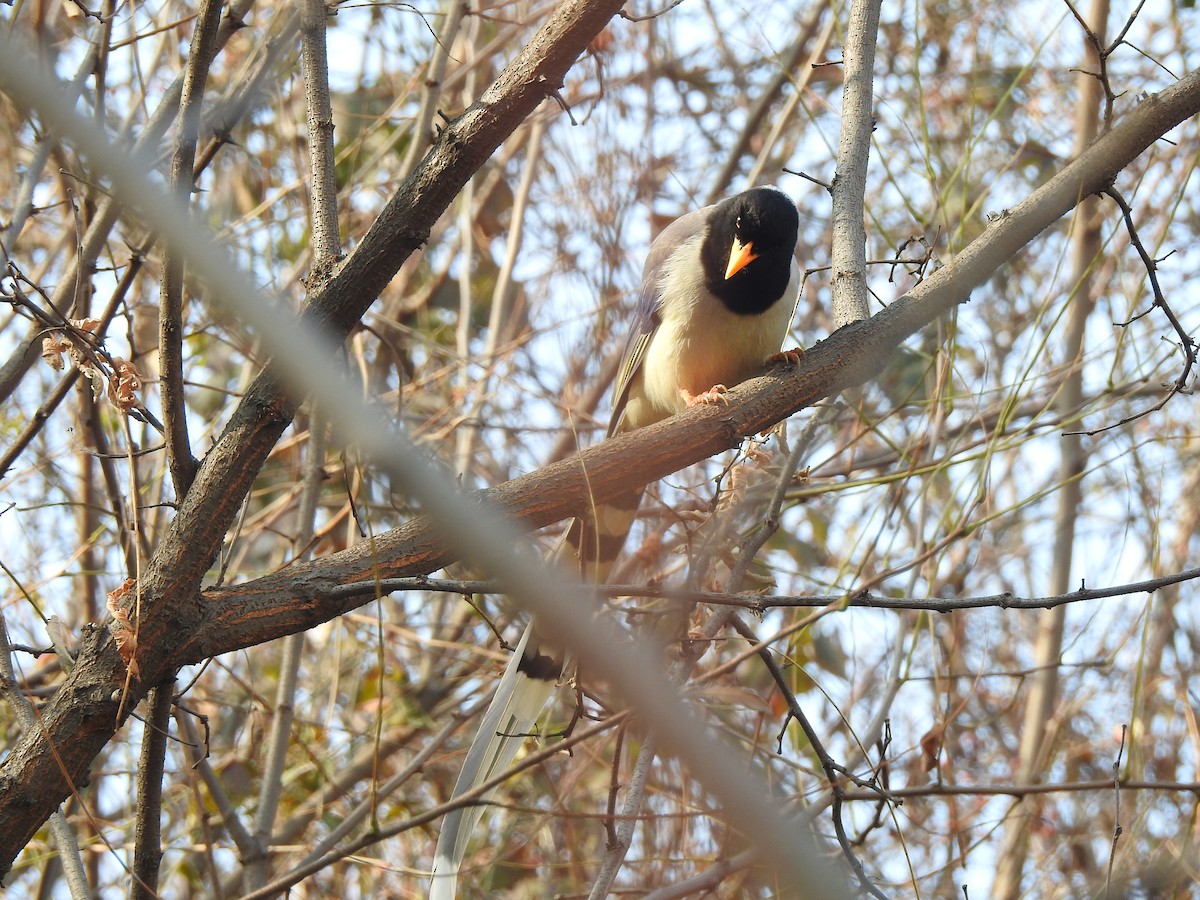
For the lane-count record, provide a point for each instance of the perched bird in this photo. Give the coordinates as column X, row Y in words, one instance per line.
column 719, row 289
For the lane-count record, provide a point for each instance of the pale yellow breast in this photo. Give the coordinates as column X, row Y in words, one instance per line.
column 700, row 343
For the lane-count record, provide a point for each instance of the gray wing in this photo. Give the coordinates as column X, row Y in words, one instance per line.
column 647, row 316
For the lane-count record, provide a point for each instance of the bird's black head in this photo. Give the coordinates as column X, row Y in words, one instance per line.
column 747, row 252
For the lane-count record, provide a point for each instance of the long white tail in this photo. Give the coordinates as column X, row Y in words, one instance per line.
column 592, row 544
column 520, row 698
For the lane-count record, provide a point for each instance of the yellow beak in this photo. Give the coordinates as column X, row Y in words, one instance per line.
column 740, row 255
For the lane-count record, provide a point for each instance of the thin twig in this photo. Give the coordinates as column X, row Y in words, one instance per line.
column 1117, row 830
column 1021, row 790
column 1187, row 343
column 630, row 17
column 614, row 786
column 835, row 774
column 622, row 836
column 800, row 83
column 243, row 840
column 758, row 603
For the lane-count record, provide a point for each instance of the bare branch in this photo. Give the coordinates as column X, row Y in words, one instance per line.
column 170, row 317
column 147, row 851
column 849, row 283
column 327, row 248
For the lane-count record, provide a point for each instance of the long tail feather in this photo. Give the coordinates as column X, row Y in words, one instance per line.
column 520, row 698
column 523, row 691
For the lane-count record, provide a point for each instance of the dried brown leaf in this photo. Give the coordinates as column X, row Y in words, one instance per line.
column 123, row 385
column 931, row 747
column 53, row 346
column 124, row 633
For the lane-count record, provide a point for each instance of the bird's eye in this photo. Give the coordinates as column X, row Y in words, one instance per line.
column 737, row 223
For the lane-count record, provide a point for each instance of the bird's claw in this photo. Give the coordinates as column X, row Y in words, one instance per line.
column 715, row 394
column 791, row 357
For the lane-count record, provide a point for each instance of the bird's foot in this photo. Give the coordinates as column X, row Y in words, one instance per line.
column 715, row 394
column 791, row 357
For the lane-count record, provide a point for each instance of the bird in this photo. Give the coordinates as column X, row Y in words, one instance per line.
column 719, row 290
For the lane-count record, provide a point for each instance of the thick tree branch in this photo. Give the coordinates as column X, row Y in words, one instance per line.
column 147, row 848
column 314, row 63
column 848, row 288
